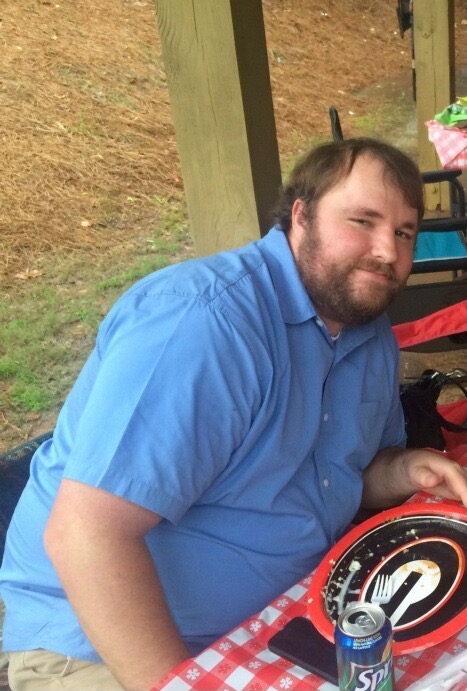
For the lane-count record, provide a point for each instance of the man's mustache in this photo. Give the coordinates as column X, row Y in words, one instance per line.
column 384, row 269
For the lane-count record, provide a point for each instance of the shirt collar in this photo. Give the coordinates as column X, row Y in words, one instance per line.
column 294, row 302
column 295, row 305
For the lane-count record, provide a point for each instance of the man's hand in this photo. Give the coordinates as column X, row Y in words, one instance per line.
column 95, row 541
column 395, row 474
column 433, row 473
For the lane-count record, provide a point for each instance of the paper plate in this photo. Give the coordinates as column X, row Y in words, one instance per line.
column 423, row 547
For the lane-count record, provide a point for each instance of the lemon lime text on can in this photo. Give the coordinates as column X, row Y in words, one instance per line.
column 363, row 638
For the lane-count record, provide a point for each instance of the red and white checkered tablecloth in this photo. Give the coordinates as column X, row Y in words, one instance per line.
column 450, row 144
column 241, row 661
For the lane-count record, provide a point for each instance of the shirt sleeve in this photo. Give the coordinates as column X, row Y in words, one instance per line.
column 175, row 391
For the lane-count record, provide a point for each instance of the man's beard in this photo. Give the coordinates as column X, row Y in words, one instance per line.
column 333, row 293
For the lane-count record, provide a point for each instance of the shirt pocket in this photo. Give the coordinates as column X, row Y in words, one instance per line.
column 370, row 424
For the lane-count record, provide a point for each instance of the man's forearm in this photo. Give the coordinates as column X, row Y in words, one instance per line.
column 96, row 543
column 385, row 481
column 116, row 594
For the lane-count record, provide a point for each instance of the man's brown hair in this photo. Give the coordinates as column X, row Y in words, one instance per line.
column 322, row 168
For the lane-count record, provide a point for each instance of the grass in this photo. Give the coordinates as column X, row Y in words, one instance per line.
column 143, row 268
column 47, row 328
column 302, row 146
column 398, row 119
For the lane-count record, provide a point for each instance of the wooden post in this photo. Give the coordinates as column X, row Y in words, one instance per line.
column 434, row 64
column 218, row 76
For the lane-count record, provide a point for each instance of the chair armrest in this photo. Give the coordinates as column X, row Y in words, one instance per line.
column 424, row 266
column 442, row 225
column 446, row 175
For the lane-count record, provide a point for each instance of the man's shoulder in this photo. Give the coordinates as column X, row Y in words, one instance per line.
column 203, row 278
column 249, row 288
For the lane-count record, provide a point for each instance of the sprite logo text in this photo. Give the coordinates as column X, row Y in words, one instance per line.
column 370, row 678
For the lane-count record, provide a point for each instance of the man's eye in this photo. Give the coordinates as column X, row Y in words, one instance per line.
column 360, row 221
column 405, row 236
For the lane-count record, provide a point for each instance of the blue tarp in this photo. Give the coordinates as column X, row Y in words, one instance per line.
column 439, row 246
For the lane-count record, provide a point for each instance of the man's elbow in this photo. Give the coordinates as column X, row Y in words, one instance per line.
column 54, row 539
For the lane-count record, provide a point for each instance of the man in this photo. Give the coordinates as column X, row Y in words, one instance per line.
column 235, row 413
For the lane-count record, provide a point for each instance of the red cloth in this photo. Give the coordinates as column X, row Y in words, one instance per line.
column 456, row 442
column 445, row 322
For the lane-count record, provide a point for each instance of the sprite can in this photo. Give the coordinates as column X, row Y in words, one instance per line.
column 363, row 638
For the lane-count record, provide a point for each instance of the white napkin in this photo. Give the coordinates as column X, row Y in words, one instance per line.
column 445, row 676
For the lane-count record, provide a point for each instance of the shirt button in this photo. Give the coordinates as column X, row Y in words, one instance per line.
column 325, row 417
column 319, row 322
column 326, row 482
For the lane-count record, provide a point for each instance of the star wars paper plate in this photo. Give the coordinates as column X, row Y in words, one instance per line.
column 424, row 550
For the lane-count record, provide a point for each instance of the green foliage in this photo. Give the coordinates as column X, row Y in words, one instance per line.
column 8, row 368
column 30, row 395
column 278, row 56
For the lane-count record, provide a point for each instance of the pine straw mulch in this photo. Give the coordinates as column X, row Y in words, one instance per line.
column 87, row 138
column 88, row 151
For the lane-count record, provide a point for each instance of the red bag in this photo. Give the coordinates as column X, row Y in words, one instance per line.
column 427, row 423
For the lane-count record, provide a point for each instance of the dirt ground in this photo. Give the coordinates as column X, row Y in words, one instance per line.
column 86, row 126
column 88, row 147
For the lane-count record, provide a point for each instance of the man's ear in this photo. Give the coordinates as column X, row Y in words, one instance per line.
column 297, row 225
column 298, row 215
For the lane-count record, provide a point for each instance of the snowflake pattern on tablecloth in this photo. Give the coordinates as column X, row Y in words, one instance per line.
column 192, row 674
column 283, row 602
column 225, row 645
column 285, row 683
column 255, row 626
column 403, row 661
column 254, row 664
column 458, row 648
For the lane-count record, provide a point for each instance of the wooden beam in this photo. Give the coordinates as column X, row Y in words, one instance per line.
column 218, row 76
column 434, row 66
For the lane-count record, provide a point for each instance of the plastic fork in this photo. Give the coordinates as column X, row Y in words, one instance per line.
column 382, row 592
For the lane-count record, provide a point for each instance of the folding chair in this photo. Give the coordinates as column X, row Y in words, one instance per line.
column 14, row 473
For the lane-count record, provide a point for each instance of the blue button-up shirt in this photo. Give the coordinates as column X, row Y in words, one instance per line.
column 216, row 398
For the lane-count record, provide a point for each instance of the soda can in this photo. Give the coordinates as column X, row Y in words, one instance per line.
column 363, row 638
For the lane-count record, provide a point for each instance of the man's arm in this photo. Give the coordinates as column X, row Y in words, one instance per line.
column 95, row 541
column 395, row 474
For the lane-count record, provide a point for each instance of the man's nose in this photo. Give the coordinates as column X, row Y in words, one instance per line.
column 384, row 246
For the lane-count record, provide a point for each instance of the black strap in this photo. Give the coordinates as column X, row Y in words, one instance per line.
column 450, row 426
column 453, row 377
